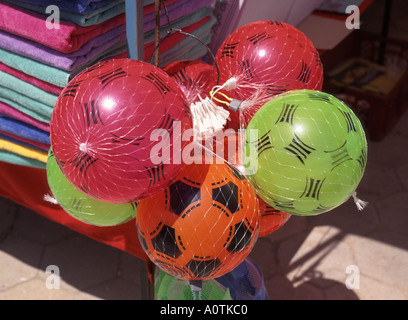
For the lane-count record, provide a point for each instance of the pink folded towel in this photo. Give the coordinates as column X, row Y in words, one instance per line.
column 68, row 38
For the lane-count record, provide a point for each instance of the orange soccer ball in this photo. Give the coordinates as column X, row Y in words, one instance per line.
column 203, row 225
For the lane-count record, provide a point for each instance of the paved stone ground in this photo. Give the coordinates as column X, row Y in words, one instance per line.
column 30, row 243
column 308, row 258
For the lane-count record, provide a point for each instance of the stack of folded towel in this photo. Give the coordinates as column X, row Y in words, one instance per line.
column 37, row 61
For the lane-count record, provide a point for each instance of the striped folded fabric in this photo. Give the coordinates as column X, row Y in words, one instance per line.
column 23, row 129
column 37, row 63
column 24, row 152
column 16, row 158
column 69, row 37
column 82, row 7
column 98, row 15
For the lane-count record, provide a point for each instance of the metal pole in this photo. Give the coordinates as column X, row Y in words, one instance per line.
column 134, row 29
column 157, row 30
column 386, row 18
column 385, row 29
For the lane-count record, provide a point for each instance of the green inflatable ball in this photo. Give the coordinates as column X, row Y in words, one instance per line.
column 82, row 207
column 305, row 152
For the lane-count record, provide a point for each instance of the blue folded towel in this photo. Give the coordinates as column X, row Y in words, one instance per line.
column 24, row 130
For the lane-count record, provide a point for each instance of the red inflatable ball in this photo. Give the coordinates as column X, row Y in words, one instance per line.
column 107, row 123
column 267, row 58
column 194, row 77
column 272, row 219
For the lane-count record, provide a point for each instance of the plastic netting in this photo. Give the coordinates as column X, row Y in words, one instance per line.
column 245, row 282
column 126, row 141
column 266, row 58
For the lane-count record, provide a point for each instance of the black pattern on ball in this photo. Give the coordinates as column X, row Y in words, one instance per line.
column 182, row 195
column 228, row 196
column 165, row 242
column 203, row 268
column 241, row 239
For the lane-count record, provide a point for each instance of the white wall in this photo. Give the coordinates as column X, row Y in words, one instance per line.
column 290, row 11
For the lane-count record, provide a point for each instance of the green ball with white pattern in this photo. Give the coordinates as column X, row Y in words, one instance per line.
column 305, row 152
column 82, row 207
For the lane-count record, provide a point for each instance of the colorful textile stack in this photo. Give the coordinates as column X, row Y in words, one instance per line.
column 39, row 56
column 37, row 62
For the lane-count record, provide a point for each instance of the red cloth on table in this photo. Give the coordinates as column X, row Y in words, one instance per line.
column 27, row 186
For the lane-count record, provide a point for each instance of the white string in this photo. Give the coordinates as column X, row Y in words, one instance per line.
column 229, row 85
column 208, row 118
column 196, row 287
column 359, row 203
column 50, row 198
